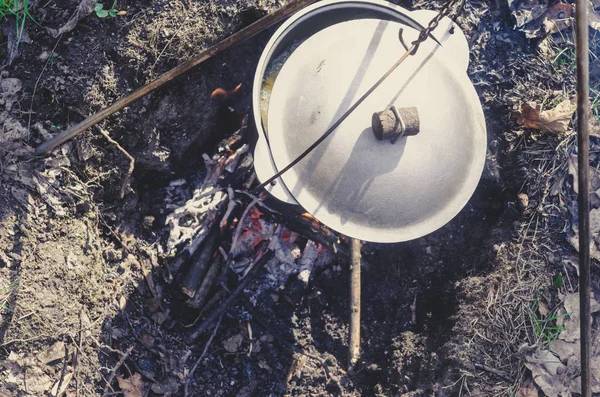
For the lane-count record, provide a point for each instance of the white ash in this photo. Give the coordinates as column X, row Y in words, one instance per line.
column 288, row 261
column 233, row 160
column 189, row 223
column 307, row 261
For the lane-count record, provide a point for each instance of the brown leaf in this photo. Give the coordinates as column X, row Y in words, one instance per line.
column 168, row 386
column 527, row 389
column 558, row 17
column 594, row 16
column 131, row 387
column 554, row 120
column 153, row 304
column 571, row 316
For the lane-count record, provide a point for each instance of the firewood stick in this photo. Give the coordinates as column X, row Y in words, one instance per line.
column 216, row 298
column 193, row 277
column 207, row 283
column 266, row 256
column 354, row 339
column 224, row 44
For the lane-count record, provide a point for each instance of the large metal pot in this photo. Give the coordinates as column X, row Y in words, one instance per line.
column 359, row 186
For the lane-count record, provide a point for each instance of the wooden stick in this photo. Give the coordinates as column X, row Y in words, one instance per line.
column 113, row 371
column 354, row 339
column 207, row 283
column 199, row 360
column 201, row 262
column 228, row 42
column 583, row 162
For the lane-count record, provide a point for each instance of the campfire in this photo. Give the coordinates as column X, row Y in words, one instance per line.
column 224, row 230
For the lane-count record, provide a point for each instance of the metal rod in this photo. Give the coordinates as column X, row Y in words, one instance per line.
column 583, row 83
column 224, row 44
column 354, row 338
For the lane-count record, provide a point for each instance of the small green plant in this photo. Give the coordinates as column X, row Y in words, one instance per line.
column 546, row 329
column 566, row 57
column 103, row 13
column 558, row 280
column 19, row 9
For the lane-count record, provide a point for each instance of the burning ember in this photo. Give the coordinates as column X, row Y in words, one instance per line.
column 223, row 228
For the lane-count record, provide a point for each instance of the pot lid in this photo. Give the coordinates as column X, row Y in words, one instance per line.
column 360, row 186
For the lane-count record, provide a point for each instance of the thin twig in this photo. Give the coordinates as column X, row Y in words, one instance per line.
column 126, row 154
column 115, row 368
column 494, row 371
column 191, row 374
column 76, row 354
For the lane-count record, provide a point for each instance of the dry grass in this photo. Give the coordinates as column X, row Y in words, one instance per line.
column 182, row 29
column 506, row 308
column 103, row 89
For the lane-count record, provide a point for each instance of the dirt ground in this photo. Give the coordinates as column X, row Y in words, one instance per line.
column 443, row 315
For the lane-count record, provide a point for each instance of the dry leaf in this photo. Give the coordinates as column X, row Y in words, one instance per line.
column 63, row 386
column 53, row 353
column 21, row 369
column 569, row 317
column 548, row 372
column 554, row 120
column 263, row 364
column 233, row 344
column 594, row 178
column 153, row 304
column 543, row 309
column 527, row 389
column 122, row 302
column 148, row 340
column 84, row 9
column 564, row 350
column 131, row 387
column 160, row 317
column 558, row 17
column 248, row 390
column 594, row 16
column 525, row 11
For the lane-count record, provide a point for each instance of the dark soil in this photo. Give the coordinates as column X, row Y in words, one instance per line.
column 422, row 300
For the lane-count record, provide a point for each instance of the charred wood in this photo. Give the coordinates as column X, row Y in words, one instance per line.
column 266, row 256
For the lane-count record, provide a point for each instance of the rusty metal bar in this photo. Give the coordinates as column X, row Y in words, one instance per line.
column 583, row 157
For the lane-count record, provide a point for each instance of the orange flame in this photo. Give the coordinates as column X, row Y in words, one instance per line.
column 223, row 93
